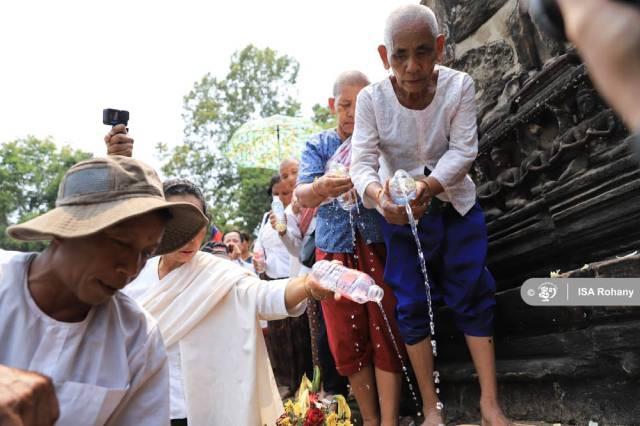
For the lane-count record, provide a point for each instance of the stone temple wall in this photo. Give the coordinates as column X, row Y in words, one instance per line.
column 560, row 190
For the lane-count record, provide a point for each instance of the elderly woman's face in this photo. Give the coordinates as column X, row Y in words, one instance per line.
column 414, row 56
column 289, row 172
column 95, row 267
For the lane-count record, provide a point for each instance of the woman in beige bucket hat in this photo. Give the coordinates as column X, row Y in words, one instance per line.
column 62, row 314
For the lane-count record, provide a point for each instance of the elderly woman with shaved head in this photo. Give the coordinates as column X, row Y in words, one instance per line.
column 358, row 338
column 422, row 119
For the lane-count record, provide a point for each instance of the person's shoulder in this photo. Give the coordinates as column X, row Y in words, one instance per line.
column 374, row 90
column 453, row 77
column 126, row 317
column 324, row 137
column 7, row 256
column 12, row 260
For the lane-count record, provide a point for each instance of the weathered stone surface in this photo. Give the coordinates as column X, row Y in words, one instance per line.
column 487, row 65
column 560, row 189
column 463, row 17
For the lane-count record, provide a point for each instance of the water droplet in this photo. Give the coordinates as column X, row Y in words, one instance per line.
column 437, row 390
column 352, row 316
column 439, row 405
column 378, row 346
column 419, row 414
column 377, row 327
column 373, row 269
column 368, row 387
column 404, row 368
column 354, row 326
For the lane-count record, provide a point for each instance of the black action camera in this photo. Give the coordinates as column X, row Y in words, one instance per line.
column 113, row 117
column 546, row 14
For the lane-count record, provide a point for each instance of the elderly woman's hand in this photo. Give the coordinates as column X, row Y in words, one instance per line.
column 332, row 186
column 118, row 142
column 393, row 213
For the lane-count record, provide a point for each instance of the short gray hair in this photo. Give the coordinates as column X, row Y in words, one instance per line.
column 409, row 13
column 349, row 78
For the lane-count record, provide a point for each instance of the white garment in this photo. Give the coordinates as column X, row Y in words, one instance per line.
column 247, row 265
column 292, row 240
column 111, row 368
column 209, row 308
column 443, row 136
column 147, row 278
column 276, row 254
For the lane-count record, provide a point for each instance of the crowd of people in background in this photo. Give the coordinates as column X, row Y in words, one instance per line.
column 133, row 316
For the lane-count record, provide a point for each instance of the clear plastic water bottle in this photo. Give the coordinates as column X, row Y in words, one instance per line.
column 352, row 284
column 259, row 261
column 278, row 210
column 402, row 188
column 349, row 199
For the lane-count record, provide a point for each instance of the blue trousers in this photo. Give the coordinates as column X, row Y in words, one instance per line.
column 455, row 248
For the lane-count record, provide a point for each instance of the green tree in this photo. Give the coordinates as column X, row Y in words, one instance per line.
column 323, row 117
column 259, row 83
column 30, row 172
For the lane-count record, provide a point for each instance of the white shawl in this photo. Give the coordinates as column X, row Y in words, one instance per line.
column 211, row 306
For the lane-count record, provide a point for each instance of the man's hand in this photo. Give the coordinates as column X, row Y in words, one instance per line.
column 118, row 142
column 26, row 398
column 332, row 186
column 234, row 251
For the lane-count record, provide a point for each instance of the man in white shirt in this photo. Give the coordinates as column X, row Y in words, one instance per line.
column 422, row 119
column 62, row 314
column 234, row 241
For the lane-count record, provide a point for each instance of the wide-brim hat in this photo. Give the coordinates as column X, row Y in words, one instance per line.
column 102, row 192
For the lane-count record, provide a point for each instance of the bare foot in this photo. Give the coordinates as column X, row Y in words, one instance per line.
column 492, row 415
column 433, row 418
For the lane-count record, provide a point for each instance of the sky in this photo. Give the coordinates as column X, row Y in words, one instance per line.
column 64, row 61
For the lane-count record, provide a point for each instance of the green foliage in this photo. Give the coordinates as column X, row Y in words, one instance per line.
column 259, row 83
column 323, row 117
column 30, row 172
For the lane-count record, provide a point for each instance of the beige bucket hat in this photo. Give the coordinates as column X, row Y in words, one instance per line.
column 101, row 192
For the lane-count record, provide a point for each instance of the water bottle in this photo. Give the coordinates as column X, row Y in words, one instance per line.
column 259, row 263
column 278, row 210
column 349, row 199
column 352, row 284
column 402, row 188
